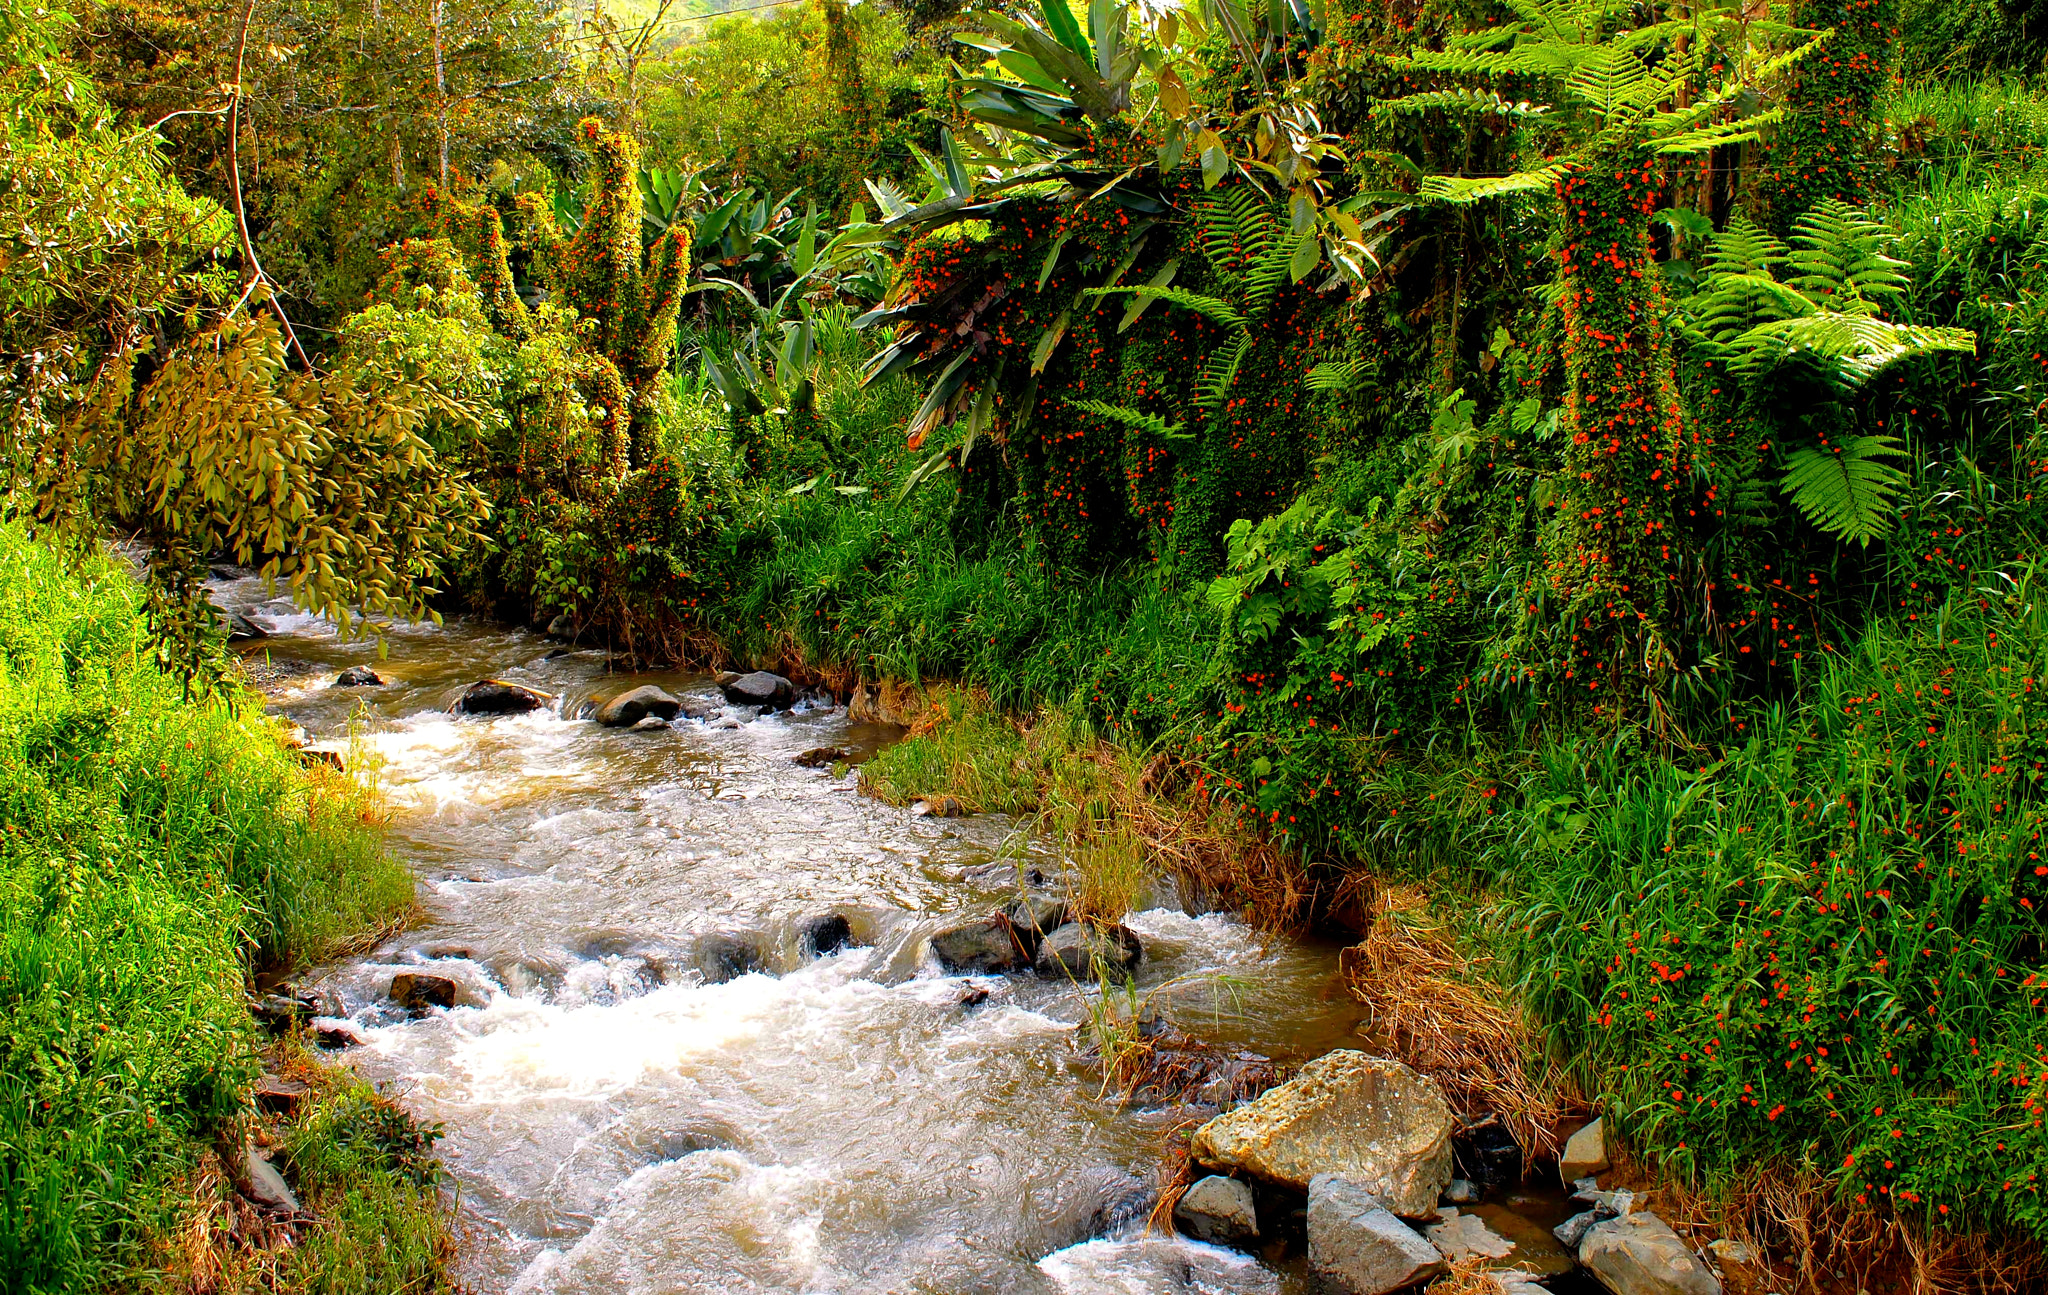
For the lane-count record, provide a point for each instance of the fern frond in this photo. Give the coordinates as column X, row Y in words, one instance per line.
column 1708, row 137
column 1207, row 307
column 1745, row 248
column 1235, row 226
column 1839, row 258
column 1135, row 419
column 1219, row 370
column 1845, row 489
column 1336, row 375
column 1612, row 80
column 1852, row 349
column 1459, row 100
column 1262, row 281
column 1462, row 189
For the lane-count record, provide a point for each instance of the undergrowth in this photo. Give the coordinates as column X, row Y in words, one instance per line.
column 154, row 854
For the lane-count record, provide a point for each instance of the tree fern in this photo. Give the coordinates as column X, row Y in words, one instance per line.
column 1262, row 281
column 1840, row 261
column 1135, row 419
column 1844, row 489
column 1236, row 228
column 1337, row 375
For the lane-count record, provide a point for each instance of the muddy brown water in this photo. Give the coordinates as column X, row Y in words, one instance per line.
column 618, row 1121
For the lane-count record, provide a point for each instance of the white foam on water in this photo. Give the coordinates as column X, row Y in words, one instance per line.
column 1156, row 1266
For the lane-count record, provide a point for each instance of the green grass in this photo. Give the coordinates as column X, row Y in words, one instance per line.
column 153, row 853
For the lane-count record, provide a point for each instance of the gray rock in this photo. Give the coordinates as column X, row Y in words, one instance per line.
column 728, row 955
column 1219, row 1210
column 1085, row 951
column 241, row 629
column 1462, row 1192
column 983, row 947
column 757, row 689
column 1371, row 1119
column 266, row 1186
column 359, row 676
column 1639, row 1254
column 629, row 708
column 1586, row 1153
column 1357, row 1246
column 1038, row 915
column 1574, row 1229
column 819, row 936
column 1462, row 1236
column 496, row 697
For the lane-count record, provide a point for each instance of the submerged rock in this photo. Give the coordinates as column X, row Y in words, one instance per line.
column 728, row 955
column 359, row 676
column 417, row 991
column 819, row 936
column 335, row 1035
column 1038, row 915
column 1484, row 1151
column 757, row 689
column 1370, row 1119
column 1218, row 1210
column 1462, row 1192
column 496, row 697
column 629, row 708
column 819, row 757
column 984, row 947
column 241, row 629
column 1357, row 1246
column 1463, row 1236
column 1639, row 1254
column 1585, row 1154
column 1086, row 951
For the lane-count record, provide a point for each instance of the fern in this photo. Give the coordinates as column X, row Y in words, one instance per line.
column 1262, row 281
column 1840, row 259
column 1135, row 419
column 1219, row 370
column 1846, row 491
column 1336, row 375
column 1852, row 349
column 1210, row 308
column 1460, row 100
column 1462, row 189
column 1236, row 228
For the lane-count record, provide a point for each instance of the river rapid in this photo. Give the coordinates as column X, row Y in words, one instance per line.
column 853, row 1122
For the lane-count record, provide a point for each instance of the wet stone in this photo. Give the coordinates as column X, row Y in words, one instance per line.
column 1465, row 1236
column 359, row 676
column 1218, row 1210
column 496, row 697
column 1485, row 1152
column 630, row 708
column 283, row 1013
column 819, row 757
column 336, row 1035
column 417, row 991
column 984, row 947
column 1038, row 915
column 1639, row 1254
column 760, row 688
column 830, row 933
column 1462, row 1192
column 727, row 956
column 1085, row 951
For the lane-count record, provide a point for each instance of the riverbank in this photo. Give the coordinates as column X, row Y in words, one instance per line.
column 159, row 855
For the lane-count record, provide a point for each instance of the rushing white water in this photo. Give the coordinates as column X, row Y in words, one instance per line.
column 857, row 1122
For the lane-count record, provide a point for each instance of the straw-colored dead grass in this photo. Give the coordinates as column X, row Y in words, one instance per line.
column 1818, row 1245
column 1439, row 1011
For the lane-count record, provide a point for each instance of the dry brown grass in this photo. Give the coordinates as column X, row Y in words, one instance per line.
column 1792, row 1214
column 1468, row 1276
column 1439, row 1011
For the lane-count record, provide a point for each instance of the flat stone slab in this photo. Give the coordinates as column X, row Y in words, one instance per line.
column 1357, row 1247
column 1639, row 1254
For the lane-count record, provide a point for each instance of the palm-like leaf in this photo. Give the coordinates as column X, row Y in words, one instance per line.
column 1135, row 419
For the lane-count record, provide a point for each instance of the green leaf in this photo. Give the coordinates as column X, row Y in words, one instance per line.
column 1137, row 308
column 1307, row 252
column 1059, row 20
column 1845, row 490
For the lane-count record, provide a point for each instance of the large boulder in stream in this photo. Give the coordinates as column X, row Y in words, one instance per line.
column 496, row 697
column 629, row 708
column 760, row 688
column 1370, row 1119
column 359, row 676
column 728, row 955
column 417, row 991
column 1087, row 951
column 1218, row 1210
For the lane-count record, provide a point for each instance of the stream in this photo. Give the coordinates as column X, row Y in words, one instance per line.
column 852, row 1122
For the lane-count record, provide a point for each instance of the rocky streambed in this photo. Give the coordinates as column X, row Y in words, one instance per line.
column 697, row 1016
